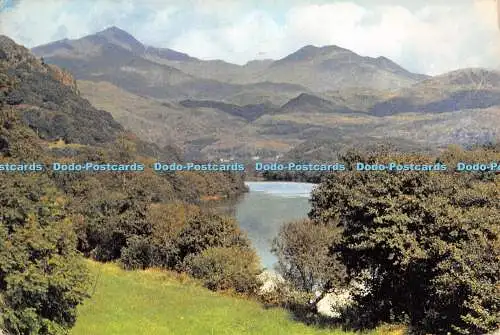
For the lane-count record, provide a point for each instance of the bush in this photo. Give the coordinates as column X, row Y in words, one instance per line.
column 223, row 268
column 110, row 221
column 207, row 231
column 138, row 254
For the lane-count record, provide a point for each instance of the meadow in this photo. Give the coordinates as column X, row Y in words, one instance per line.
column 160, row 302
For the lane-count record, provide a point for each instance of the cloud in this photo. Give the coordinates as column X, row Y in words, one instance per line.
column 425, row 36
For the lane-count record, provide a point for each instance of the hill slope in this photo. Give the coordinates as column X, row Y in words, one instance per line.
column 48, row 100
column 149, row 302
column 331, row 67
column 452, row 91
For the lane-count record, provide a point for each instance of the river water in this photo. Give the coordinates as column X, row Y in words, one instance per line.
column 263, row 210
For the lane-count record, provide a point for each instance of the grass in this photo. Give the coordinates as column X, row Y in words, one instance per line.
column 158, row 302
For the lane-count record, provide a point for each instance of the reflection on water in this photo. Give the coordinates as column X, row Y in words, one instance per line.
column 265, row 208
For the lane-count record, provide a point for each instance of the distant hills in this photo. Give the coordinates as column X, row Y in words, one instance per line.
column 214, row 109
column 118, row 57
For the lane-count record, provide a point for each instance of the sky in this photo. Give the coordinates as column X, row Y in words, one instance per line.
column 425, row 36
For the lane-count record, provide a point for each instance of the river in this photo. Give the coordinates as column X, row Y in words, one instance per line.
column 263, row 210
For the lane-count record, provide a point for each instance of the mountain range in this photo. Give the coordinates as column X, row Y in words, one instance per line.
column 317, row 95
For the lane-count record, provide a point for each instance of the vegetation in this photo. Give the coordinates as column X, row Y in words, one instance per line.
column 425, row 245
column 42, row 277
column 226, row 268
column 159, row 302
column 50, row 220
column 302, row 248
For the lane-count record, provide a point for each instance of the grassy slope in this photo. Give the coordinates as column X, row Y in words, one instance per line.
column 154, row 302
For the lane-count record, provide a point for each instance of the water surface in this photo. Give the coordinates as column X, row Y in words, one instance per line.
column 263, row 210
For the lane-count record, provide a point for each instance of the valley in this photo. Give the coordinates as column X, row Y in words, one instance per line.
column 273, row 108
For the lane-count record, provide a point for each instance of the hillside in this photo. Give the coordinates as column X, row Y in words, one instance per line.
column 156, row 302
column 453, row 91
column 332, row 67
column 216, row 129
column 48, row 101
column 45, row 117
column 163, row 122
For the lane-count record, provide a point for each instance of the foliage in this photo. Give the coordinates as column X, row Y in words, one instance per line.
column 46, row 217
column 111, row 222
column 302, row 248
column 429, row 242
column 138, row 253
column 209, row 230
column 42, row 278
column 223, row 268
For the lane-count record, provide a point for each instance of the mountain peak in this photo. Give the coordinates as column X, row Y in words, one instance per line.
column 113, row 30
column 122, row 38
column 310, row 52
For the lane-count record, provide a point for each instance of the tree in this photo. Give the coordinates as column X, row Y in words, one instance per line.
column 42, row 277
column 429, row 240
column 302, row 248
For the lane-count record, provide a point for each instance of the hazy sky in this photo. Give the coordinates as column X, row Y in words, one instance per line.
column 428, row 36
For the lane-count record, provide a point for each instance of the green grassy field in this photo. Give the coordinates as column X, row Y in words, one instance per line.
column 156, row 302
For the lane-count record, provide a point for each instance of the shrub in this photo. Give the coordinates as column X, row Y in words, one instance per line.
column 207, row 231
column 222, row 268
column 139, row 253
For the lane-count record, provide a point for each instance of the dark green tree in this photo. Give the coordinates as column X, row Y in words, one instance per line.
column 42, row 276
column 428, row 240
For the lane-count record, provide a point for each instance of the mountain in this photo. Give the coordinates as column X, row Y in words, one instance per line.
column 332, row 68
column 454, row 91
column 48, row 101
column 314, row 96
column 317, row 68
column 115, row 35
column 115, row 56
